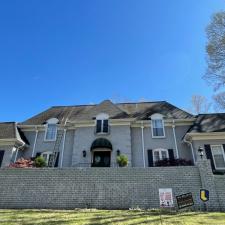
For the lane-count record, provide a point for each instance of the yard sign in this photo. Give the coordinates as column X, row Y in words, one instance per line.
column 165, row 197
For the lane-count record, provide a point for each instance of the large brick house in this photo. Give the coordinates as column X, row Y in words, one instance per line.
column 93, row 135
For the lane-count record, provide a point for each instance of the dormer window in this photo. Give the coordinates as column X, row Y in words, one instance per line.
column 157, row 125
column 102, row 123
column 51, row 129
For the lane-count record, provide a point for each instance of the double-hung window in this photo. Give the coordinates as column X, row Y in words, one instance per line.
column 51, row 130
column 160, row 154
column 102, row 126
column 102, row 123
column 49, row 158
column 157, row 126
column 218, row 156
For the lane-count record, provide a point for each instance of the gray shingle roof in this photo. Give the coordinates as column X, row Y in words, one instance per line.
column 214, row 122
column 9, row 130
column 140, row 110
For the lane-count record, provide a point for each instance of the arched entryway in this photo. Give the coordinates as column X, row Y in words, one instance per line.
column 101, row 150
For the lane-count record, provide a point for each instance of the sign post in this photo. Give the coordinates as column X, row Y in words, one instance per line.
column 165, row 199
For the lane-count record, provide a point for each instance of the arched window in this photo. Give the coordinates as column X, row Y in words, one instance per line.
column 157, row 125
column 102, row 123
column 51, row 129
column 160, row 154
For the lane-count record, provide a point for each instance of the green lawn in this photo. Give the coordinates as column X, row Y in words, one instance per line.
column 117, row 217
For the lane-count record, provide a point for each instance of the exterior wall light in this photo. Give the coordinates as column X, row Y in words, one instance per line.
column 118, row 152
column 84, row 153
column 201, row 151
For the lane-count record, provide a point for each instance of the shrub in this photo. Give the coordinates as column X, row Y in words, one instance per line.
column 122, row 160
column 174, row 162
column 40, row 162
column 22, row 163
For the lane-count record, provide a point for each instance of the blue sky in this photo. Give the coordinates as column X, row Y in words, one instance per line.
column 84, row 51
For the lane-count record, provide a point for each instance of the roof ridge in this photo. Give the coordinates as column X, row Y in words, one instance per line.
column 210, row 113
column 106, row 100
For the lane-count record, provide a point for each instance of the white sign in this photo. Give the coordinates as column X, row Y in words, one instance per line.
column 165, row 197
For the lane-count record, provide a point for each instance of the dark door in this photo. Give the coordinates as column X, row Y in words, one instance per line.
column 1, row 156
column 101, row 159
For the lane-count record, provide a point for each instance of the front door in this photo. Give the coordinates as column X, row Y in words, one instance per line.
column 101, row 159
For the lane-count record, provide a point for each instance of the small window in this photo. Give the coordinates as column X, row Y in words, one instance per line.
column 160, row 154
column 102, row 123
column 218, row 156
column 157, row 125
column 51, row 130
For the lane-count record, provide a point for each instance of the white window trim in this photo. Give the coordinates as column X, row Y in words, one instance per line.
column 157, row 116
column 102, row 117
column 211, row 146
column 160, row 153
column 46, row 129
column 48, row 153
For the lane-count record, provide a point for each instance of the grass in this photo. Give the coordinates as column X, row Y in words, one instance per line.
column 116, row 217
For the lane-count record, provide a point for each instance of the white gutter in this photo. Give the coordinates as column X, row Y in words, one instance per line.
column 63, row 147
column 175, row 139
column 192, row 149
column 35, row 141
column 143, row 143
column 16, row 155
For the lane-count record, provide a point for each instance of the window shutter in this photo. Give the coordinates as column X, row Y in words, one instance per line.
column 171, row 154
column 38, row 154
column 208, row 153
column 57, row 160
column 224, row 148
column 150, row 158
column 105, row 126
column 2, row 152
column 99, row 126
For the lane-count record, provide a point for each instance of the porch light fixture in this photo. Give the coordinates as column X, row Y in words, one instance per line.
column 201, row 151
column 118, row 152
column 84, row 153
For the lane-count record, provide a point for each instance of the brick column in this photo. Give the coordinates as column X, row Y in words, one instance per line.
column 207, row 180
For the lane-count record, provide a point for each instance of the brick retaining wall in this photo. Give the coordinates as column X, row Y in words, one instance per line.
column 111, row 188
column 220, row 187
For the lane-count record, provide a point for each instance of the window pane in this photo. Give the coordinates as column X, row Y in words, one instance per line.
column 51, row 132
column 219, row 161
column 105, row 126
column 156, row 156
column 217, row 152
column 99, row 126
column 158, row 123
column 158, row 132
column 164, row 154
column 157, row 128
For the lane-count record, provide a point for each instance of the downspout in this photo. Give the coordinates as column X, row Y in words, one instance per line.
column 35, row 141
column 63, row 147
column 175, row 139
column 192, row 149
column 17, row 150
column 143, row 143
column 16, row 155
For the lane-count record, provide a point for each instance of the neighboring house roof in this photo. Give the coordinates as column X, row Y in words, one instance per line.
column 9, row 130
column 205, row 123
column 140, row 110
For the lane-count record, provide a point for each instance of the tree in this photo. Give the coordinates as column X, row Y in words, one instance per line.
column 199, row 104
column 215, row 49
